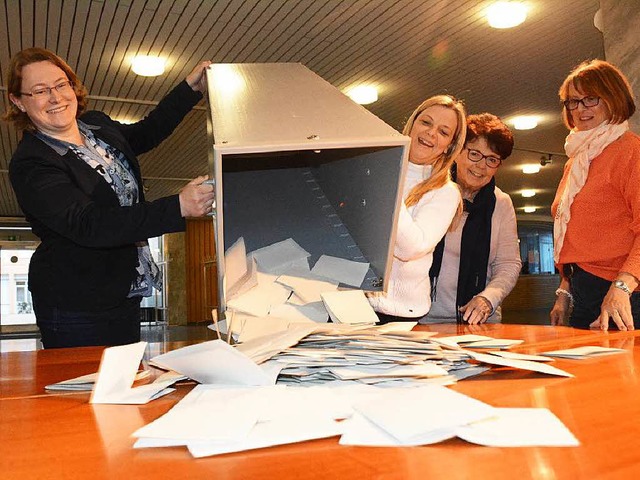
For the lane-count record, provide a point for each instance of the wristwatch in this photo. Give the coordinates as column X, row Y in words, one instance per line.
column 622, row 286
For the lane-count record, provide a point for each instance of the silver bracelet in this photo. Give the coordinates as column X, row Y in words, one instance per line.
column 567, row 293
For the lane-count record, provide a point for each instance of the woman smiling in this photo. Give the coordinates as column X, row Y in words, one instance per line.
column 477, row 264
column 437, row 129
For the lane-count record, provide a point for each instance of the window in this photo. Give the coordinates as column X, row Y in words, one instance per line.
column 536, row 248
column 15, row 298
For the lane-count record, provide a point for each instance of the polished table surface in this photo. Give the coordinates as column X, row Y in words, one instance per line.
column 60, row 435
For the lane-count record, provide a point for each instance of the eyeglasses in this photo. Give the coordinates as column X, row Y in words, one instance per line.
column 42, row 92
column 476, row 156
column 572, row 103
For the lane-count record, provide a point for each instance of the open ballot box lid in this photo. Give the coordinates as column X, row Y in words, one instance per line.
column 293, row 157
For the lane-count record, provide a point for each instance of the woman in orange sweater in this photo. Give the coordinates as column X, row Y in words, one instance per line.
column 597, row 205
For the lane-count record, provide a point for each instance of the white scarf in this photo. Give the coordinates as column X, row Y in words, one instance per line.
column 582, row 147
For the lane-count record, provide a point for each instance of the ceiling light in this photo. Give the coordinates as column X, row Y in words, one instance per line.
column 364, row 94
column 148, row 65
column 524, row 122
column 527, row 193
column 506, row 14
column 531, row 168
column 529, row 209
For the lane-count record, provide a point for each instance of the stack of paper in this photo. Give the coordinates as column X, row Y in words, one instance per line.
column 388, row 355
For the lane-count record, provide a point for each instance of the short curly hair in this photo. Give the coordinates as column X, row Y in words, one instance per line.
column 493, row 130
column 20, row 119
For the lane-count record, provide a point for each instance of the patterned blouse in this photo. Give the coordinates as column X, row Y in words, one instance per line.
column 113, row 167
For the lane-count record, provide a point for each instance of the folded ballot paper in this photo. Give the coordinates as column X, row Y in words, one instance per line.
column 85, row 383
column 117, row 373
column 477, row 341
column 216, row 362
column 580, row 353
column 213, row 420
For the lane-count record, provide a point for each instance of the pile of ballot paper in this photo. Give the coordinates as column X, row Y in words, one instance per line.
column 387, row 355
column 274, row 287
column 213, row 420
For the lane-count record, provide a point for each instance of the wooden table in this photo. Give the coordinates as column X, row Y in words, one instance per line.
column 45, row 435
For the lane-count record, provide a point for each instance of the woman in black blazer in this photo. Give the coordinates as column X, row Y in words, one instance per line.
column 78, row 182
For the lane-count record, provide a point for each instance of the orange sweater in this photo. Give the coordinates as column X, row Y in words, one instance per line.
column 603, row 234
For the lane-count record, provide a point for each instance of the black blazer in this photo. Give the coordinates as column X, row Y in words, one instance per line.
column 87, row 258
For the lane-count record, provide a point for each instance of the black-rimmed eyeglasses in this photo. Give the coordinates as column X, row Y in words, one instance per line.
column 572, row 103
column 42, row 92
column 475, row 156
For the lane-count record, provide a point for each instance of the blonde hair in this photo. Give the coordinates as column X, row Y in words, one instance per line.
column 440, row 174
column 600, row 79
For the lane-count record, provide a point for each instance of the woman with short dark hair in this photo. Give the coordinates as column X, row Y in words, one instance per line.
column 476, row 265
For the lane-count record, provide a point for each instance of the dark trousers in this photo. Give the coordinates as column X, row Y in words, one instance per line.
column 588, row 292
column 384, row 318
column 114, row 326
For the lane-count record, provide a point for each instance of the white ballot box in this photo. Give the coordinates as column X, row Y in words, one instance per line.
column 293, row 157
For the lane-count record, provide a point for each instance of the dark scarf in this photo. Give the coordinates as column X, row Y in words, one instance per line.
column 474, row 248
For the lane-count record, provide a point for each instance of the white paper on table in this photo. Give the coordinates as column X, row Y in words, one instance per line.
column 358, row 430
column 520, row 364
column 263, row 348
column 267, row 434
column 116, row 374
column 428, row 370
column 278, row 257
column 455, row 340
column 416, row 415
column 86, row 382
column 519, row 427
column 260, row 299
column 349, row 306
column 522, row 356
column 218, row 415
column 307, row 289
column 401, row 327
column 296, row 300
column 583, row 352
column 215, row 362
column 314, row 312
column 341, row 270
column 492, row 343
column 256, row 327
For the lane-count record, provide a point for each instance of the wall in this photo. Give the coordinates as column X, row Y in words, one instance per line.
column 620, row 24
column 175, row 283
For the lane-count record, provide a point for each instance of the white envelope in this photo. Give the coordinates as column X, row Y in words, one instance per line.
column 117, row 372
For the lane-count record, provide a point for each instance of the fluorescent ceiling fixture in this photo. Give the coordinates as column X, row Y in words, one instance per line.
column 148, row 65
column 364, row 94
column 529, row 209
column 524, row 122
column 531, row 168
column 506, row 14
column 528, row 193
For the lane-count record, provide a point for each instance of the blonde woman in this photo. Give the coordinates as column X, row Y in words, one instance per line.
column 431, row 200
